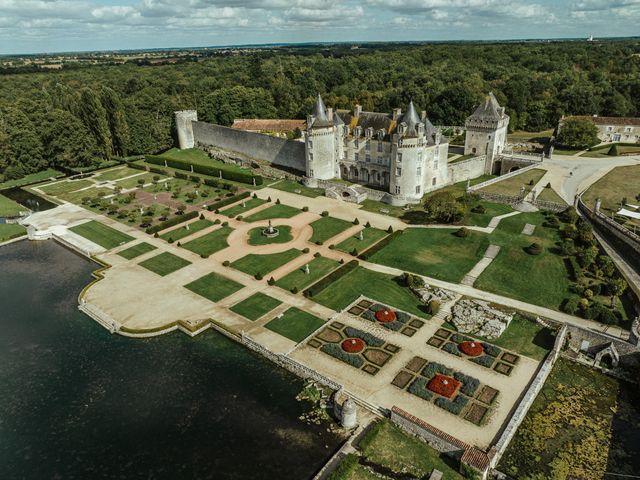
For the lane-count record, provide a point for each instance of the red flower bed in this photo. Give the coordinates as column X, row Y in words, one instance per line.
column 385, row 316
column 353, row 345
column 443, row 385
column 473, row 349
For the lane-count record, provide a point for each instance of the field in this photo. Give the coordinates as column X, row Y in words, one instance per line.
column 214, row 287
column 318, row 268
column 328, row 227
column 136, row 250
column 101, row 234
column 370, row 236
column 434, row 252
column 255, row 306
column 115, row 173
column 9, row 231
column 297, row 188
column 164, row 264
column 9, row 208
column 186, row 230
column 209, row 243
column 619, row 183
column 513, row 185
column 378, row 286
column 65, row 186
column 276, row 211
column 295, row 324
column 240, row 209
column 135, row 181
column 253, row 264
column 583, row 423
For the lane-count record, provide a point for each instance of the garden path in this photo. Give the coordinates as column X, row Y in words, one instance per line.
column 488, row 257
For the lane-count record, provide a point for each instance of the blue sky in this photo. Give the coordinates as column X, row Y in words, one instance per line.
column 63, row 25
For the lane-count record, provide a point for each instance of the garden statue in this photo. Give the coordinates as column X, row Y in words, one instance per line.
column 306, row 269
column 361, row 237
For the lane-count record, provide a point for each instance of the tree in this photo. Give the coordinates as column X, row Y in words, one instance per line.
column 67, row 142
column 616, row 287
column 226, row 104
column 21, row 150
column 94, row 116
column 443, row 207
column 116, row 120
column 578, row 133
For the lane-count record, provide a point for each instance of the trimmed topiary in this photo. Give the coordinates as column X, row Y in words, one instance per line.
column 462, row 232
column 239, row 217
column 319, row 242
column 202, row 216
column 534, row 249
column 332, row 247
column 225, row 224
column 434, row 307
column 390, row 229
column 255, row 195
column 305, row 250
column 156, row 235
column 216, row 221
column 316, row 255
column 324, row 214
column 354, row 252
column 204, row 255
column 277, row 201
column 367, row 225
column 294, row 290
column 226, row 263
column 258, row 276
column 356, row 221
column 271, row 281
column 305, row 209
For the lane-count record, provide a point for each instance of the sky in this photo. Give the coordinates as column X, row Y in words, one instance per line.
column 36, row 26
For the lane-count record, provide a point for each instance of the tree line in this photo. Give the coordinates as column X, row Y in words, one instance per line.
column 83, row 116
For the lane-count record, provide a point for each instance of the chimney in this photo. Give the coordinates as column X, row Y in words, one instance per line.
column 357, row 110
column 396, row 114
column 330, row 114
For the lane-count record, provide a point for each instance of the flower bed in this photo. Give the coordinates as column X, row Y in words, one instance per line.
column 472, row 349
column 385, row 316
column 443, row 385
column 353, row 345
column 337, row 352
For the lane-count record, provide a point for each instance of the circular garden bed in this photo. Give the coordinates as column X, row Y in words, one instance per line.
column 353, row 345
column 257, row 238
column 386, row 316
column 472, row 349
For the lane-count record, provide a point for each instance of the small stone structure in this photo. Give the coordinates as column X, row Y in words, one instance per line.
column 479, row 318
column 348, row 193
column 426, row 294
column 349, row 417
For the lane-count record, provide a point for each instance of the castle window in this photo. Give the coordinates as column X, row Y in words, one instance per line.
column 310, row 156
column 367, row 146
column 310, row 143
column 357, row 143
column 399, row 157
column 356, row 156
column 417, row 189
column 419, row 157
column 435, row 164
column 397, row 189
column 398, row 172
column 367, row 158
column 419, row 171
column 311, row 173
column 379, row 146
column 433, row 181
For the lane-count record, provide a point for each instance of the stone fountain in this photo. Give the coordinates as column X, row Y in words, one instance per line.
column 270, row 232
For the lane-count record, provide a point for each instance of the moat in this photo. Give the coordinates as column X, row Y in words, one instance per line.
column 77, row 402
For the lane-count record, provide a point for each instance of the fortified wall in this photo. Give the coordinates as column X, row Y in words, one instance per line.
column 471, row 168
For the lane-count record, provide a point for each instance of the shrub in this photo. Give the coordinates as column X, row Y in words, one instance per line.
column 271, row 281
column 179, row 244
column 277, row 201
column 534, row 249
column 530, row 182
column 294, row 290
column 305, row 250
column 341, row 261
column 216, row 206
column 380, row 245
column 484, row 361
column 258, row 276
column 204, row 255
column 454, row 406
column 305, row 209
column 356, row 221
column 456, row 337
column 469, row 384
column 367, row 225
column 402, row 317
column 390, row 229
column 172, row 222
column 319, row 242
column 324, row 213
column 478, row 209
column 613, row 151
column 419, row 388
column 452, row 348
column 224, row 224
column 336, row 351
column 369, row 339
column 575, row 271
column 216, row 221
column 354, row 252
column 369, row 315
column 156, row 235
column 462, row 232
column 434, row 307
column 491, row 350
column 255, row 195
column 212, row 171
column 239, row 217
column 332, row 247
column 226, row 263
column 434, row 367
column 316, row 255
column 202, row 216
column 170, row 240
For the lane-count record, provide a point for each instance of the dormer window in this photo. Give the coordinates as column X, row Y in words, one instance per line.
column 369, row 132
column 345, row 130
column 420, row 129
column 381, row 133
column 401, row 128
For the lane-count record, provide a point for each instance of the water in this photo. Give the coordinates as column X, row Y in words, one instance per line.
column 33, row 202
column 79, row 403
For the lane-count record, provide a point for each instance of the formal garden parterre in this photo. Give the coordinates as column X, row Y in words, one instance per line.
column 386, row 316
column 355, row 347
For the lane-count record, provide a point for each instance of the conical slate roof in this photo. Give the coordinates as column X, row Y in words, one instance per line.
column 320, row 113
column 337, row 120
column 411, row 119
column 489, row 109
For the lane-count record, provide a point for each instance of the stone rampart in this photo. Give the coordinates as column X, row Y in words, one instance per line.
column 491, row 181
column 466, row 169
column 276, row 151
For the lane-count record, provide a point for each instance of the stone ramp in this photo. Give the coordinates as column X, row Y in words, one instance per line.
column 471, row 277
column 528, row 229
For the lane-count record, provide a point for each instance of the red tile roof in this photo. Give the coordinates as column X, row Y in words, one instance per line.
column 610, row 120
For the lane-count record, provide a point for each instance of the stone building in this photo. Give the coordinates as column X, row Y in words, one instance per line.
column 613, row 129
column 486, row 131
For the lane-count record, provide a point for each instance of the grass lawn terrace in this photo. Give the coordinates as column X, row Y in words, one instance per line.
column 276, row 211
column 381, row 287
column 9, row 208
column 295, row 324
column 137, row 250
column 434, row 252
column 64, row 186
column 255, row 306
column 483, row 219
column 214, row 287
column 370, row 236
column 318, row 268
column 297, row 188
column 257, row 238
column 115, row 173
column 512, row 185
column 252, row 264
column 209, row 243
column 242, row 207
column 619, row 183
column 9, row 231
column 101, row 234
column 328, row 227
column 164, row 264
column 31, row 178
column 186, row 230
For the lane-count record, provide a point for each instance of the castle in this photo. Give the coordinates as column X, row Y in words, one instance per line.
column 399, row 154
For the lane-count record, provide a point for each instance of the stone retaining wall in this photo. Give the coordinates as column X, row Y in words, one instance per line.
column 550, row 206
column 530, row 395
column 478, row 186
column 466, row 169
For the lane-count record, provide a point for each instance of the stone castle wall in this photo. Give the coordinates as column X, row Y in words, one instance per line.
column 466, row 169
column 277, row 151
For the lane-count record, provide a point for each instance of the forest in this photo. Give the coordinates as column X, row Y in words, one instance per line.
column 79, row 116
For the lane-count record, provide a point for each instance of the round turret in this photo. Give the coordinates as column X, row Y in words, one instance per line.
column 349, row 414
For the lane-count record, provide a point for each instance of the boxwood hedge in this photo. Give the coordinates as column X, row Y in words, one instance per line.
column 210, row 170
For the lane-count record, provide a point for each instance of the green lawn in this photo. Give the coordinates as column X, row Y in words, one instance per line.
column 263, row 264
column 137, row 250
column 483, row 219
column 434, row 252
column 328, row 227
column 76, row 197
column 209, row 243
column 619, row 183
column 101, row 234
column 257, row 238
column 550, row 195
column 276, row 211
column 200, row 157
column 370, row 236
column 318, row 268
column 65, row 186
column 295, row 324
column 9, row 231
column 297, row 188
column 31, row 178
column 9, row 208
column 134, row 181
column 513, row 185
column 255, row 306
column 538, row 279
column 240, row 209
column 164, row 264
column 389, row 446
column 378, row 286
column 115, row 173
column 186, row 230
column 214, row 287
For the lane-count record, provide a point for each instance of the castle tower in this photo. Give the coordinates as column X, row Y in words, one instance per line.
column 184, row 128
column 321, row 143
column 486, row 131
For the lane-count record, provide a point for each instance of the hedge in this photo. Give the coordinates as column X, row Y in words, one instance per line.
column 419, row 388
column 346, row 467
column 575, row 271
column 178, row 219
column 454, row 406
column 469, row 384
column 484, row 361
column 430, row 370
column 370, row 340
column 323, row 283
column 136, row 166
column 452, row 348
column 160, row 171
column 379, row 246
column 228, row 201
column 205, row 169
column 491, row 350
column 336, row 351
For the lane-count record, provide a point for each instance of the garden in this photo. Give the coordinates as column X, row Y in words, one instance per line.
column 455, row 392
column 278, row 210
column 354, row 347
column 214, row 287
column 481, row 353
column 361, row 241
column 326, row 228
column 301, row 278
column 255, row 306
column 260, row 265
column 387, row 317
column 137, row 250
column 256, row 236
column 209, row 243
column 295, row 324
column 164, row 264
column 101, row 234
